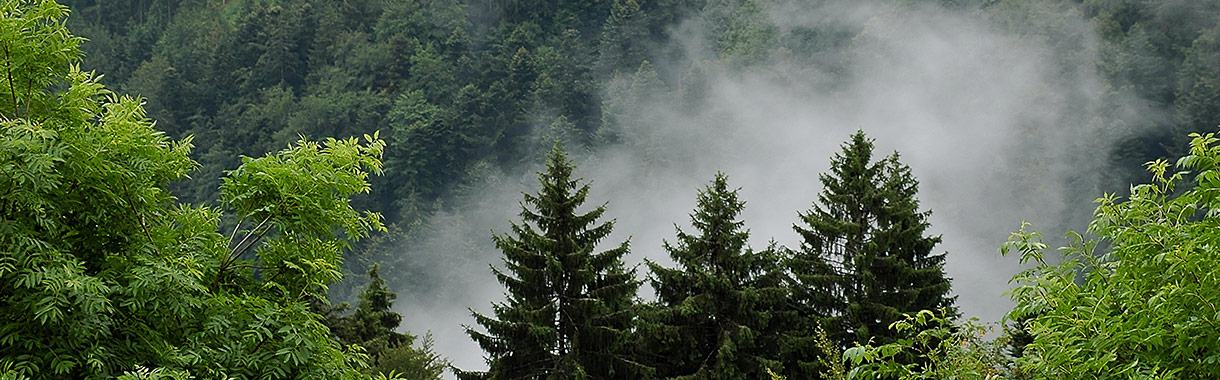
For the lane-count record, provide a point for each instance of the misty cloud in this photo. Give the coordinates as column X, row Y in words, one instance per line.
column 997, row 125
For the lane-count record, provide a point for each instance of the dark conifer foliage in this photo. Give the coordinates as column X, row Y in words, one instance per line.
column 373, row 319
column 720, row 310
column 373, row 325
column 620, row 48
column 570, row 309
column 865, row 258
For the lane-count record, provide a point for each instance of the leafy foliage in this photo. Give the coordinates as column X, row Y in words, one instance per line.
column 948, row 351
column 103, row 274
column 301, row 194
column 1143, row 307
column 1133, row 302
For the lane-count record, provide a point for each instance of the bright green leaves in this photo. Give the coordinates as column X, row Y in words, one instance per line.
column 103, row 274
column 144, row 373
column 28, row 154
column 37, row 51
column 138, row 152
column 304, row 188
column 253, row 337
column 1203, row 158
column 1148, row 306
column 947, row 351
column 82, row 172
column 299, row 200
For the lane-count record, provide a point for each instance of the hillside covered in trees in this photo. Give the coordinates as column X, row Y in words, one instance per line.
column 204, row 188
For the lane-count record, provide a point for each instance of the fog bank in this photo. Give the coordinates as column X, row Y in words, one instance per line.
column 997, row 125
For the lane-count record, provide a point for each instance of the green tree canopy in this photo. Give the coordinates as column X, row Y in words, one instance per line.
column 720, row 311
column 372, row 327
column 1134, row 299
column 103, row 273
column 570, row 309
column 864, row 259
column 1145, row 306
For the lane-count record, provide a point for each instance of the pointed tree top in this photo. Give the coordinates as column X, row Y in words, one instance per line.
column 557, row 156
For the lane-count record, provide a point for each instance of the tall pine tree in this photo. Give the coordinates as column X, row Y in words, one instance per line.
column 570, row 310
column 719, row 312
column 865, row 259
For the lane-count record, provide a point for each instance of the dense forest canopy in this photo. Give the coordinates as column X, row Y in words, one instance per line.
column 1004, row 110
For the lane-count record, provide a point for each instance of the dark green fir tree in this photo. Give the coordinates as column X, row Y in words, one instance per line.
column 865, row 258
column 570, row 309
column 623, row 37
column 720, row 310
column 372, row 326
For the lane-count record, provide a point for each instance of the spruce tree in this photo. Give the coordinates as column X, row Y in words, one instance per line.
column 372, row 326
column 623, row 36
column 865, row 258
column 719, row 311
column 570, row 309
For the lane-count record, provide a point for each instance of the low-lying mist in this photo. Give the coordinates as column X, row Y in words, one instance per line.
column 998, row 125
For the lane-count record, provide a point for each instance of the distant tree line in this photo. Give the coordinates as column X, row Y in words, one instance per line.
column 251, row 75
column 449, row 83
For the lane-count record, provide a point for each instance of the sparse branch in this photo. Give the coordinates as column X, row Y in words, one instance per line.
column 29, row 97
column 226, row 264
column 251, row 266
column 12, row 89
column 252, row 232
column 234, row 233
column 139, row 218
column 256, row 234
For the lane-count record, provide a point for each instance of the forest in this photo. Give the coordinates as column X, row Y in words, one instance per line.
column 609, row 189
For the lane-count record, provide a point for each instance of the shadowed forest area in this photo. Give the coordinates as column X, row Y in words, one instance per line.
column 611, row 189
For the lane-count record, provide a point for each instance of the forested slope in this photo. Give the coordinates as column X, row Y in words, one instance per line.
column 454, row 83
column 458, row 87
column 468, row 95
column 450, row 84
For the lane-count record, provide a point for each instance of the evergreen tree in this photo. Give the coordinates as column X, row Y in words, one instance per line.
column 865, row 259
column 1199, row 84
column 570, row 310
column 622, row 39
column 372, row 326
column 719, row 311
